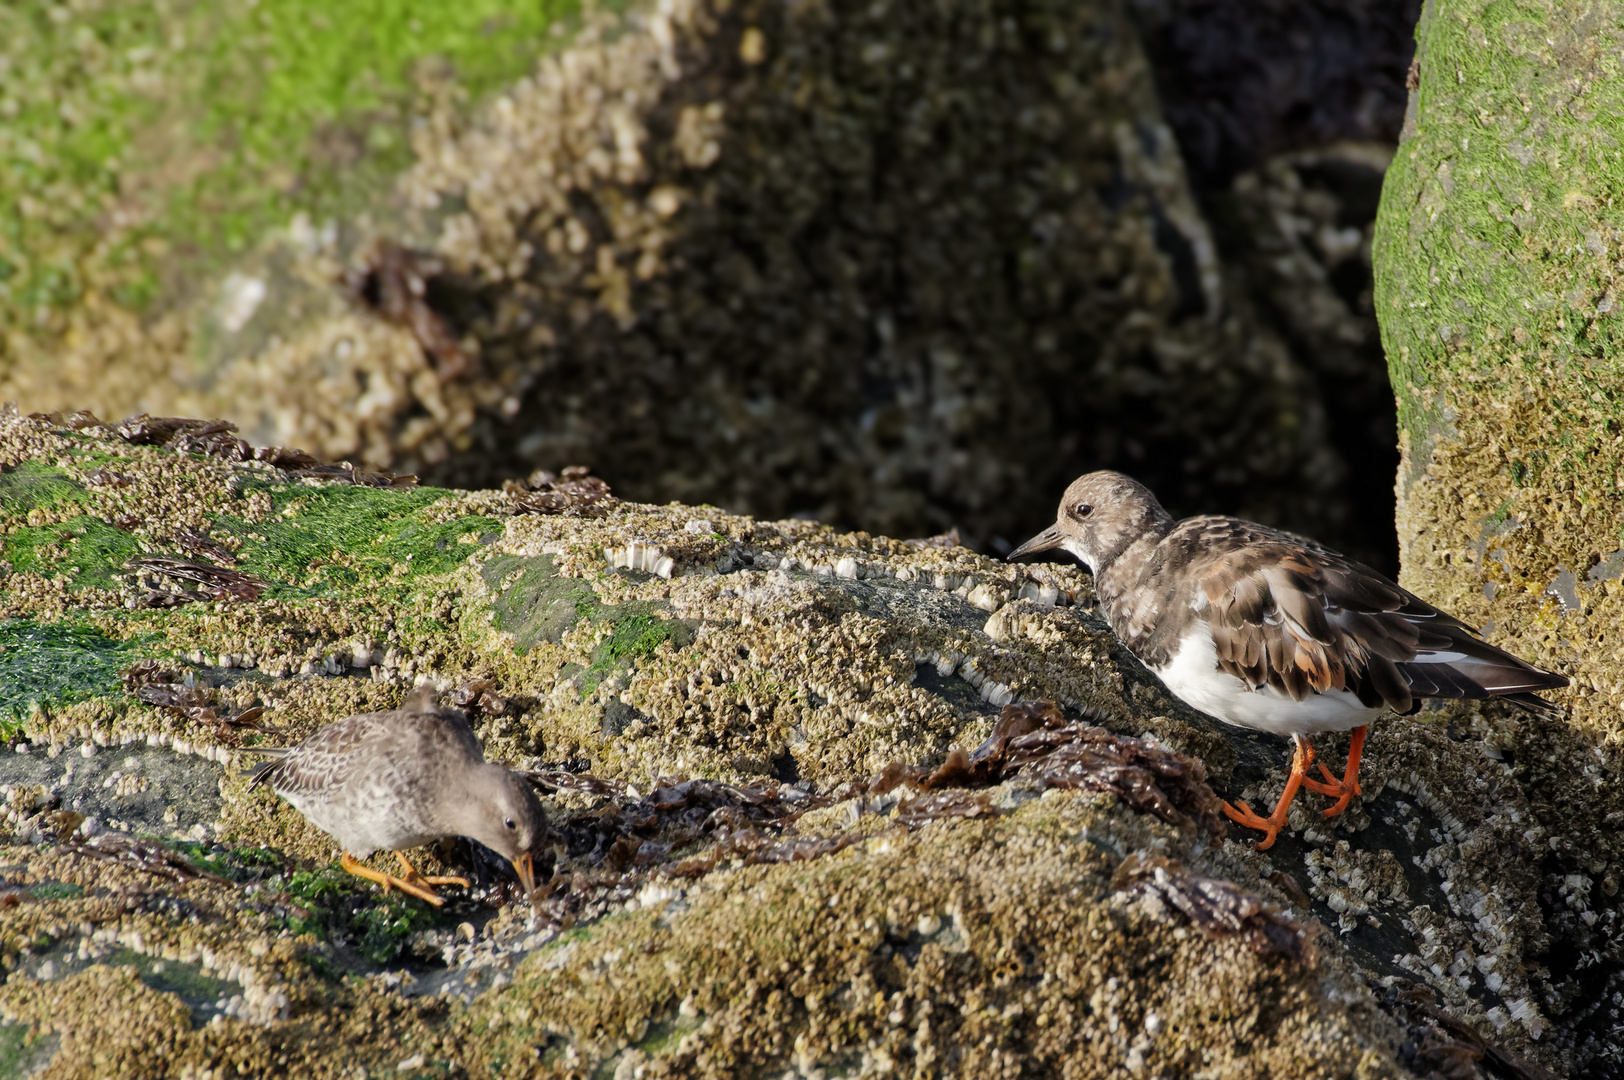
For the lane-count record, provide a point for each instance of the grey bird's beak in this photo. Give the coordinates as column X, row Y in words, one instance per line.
column 527, row 876
column 1047, row 540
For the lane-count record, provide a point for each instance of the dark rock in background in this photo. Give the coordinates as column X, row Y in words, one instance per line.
column 861, row 330
column 1286, row 113
column 897, row 268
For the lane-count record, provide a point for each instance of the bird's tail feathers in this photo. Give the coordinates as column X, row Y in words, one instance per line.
column 1545, row 710
column 262, row 772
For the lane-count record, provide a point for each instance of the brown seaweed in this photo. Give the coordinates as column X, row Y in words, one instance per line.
column 194, row 542
column 213, row 582
column 944, row 804
column 627, row 838
column 1220, row 908
column 147, row 855
column 574, row 491
column 394, row 284
column 155, row 684
column 211, row 438
column 1033, row 740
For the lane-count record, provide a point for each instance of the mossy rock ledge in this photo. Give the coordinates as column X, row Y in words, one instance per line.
column 158, row 919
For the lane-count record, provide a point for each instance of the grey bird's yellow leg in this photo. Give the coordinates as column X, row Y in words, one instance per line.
column 422, row 892
column 415, row 878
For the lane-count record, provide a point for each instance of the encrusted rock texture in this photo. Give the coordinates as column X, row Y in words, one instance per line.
column 1498, row 255
column 705, row 702
column 900, row 267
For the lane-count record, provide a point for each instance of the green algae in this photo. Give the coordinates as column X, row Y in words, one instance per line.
column 23, row 1050
column 240, row 864
column 321, row 540
column 533, row 601
column 88, row 550
column 335, row 901
column 633, row 635
column 33, row 484
column 202, row 125
column 52, row 664
column 57, row 890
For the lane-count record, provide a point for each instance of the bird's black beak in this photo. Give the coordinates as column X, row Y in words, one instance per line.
column 527, row 876
column 1047, row 540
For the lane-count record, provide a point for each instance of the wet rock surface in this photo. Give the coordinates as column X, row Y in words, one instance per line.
column 710, row 706
column 133, row 788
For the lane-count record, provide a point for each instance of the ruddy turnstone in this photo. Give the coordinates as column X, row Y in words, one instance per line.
column 390, row 780
column 1267, row 630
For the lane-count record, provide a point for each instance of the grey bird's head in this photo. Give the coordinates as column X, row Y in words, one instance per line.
column 508, row 818
column 1101, row 515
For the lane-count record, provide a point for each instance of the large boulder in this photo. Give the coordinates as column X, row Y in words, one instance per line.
column 1497, row 255
column 706, row 702
column 898, row 267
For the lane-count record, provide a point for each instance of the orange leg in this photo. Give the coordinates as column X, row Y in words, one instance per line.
column 408, row 885
column 1301, row 759
column 1346, row 788
column 415, row 878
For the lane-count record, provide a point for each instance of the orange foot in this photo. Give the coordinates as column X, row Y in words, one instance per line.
column 413, row 884
column 1301, row 759
column 1345, row 789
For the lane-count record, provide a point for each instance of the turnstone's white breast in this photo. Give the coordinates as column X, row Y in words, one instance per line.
column 1271, row 631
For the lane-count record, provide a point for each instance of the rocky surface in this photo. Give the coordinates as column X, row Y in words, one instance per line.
column 706, row 702
column 1497, row 258
column 896, row 268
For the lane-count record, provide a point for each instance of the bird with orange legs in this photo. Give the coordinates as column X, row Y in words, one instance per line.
column 1270, row 631
column 391, row 780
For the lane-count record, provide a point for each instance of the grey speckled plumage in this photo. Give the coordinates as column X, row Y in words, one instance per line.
column 386, row 781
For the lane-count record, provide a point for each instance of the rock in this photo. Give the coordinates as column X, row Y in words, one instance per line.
column 741, row 894
column 1496, row 259
column 897, row 267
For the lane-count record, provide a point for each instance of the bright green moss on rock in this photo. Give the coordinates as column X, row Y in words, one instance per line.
column 50, row 665
column 145, row 143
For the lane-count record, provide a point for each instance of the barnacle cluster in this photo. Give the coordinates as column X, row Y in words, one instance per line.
column 631, row 655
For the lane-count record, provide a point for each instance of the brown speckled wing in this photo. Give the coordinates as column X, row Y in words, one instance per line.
column 321, row 761
column 416, row 737
column 1289, row 613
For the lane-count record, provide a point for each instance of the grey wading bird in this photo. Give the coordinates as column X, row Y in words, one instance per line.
column 1270, row 631
column 386, row 781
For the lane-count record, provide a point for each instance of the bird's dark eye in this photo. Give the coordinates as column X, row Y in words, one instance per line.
column 509, row 823
column 1081, row 510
